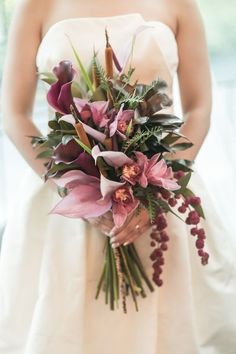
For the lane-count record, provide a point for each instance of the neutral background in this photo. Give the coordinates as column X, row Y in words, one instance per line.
column 219, row 17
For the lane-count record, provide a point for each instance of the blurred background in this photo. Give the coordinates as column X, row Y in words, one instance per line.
column 219, row 17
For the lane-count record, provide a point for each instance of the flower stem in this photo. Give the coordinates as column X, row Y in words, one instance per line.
column 140, row 266
column 135, row 271
column 129, row 277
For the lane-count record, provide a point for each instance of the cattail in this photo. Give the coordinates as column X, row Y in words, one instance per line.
column 108, row 57
column 82, row 134
column 108, row 143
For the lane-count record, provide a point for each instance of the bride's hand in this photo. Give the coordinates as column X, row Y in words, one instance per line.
column 104, row 223
column 134, row 227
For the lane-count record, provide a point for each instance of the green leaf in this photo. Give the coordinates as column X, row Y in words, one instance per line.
column 82, row 68
column 181, row 146
column 66, row 126
column 62, row 191
column 85, row 147
column 183, row 165
column 76, row 89
column 98, row 95
column 164, row 205
column 45, row 154
column 183, row 182
column 53, row 124
column 166, row 120
column 48, row 77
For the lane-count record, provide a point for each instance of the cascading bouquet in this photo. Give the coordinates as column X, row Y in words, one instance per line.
column 107, row 148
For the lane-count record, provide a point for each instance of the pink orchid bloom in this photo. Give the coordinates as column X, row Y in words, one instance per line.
column 124, row 204
column 91, row 197
column 121, row 122
column 155, row 172
column 96, row 110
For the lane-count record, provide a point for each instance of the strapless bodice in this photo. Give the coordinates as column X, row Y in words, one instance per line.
column 155, row 53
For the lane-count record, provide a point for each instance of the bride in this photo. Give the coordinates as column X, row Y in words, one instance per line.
column 49, row 265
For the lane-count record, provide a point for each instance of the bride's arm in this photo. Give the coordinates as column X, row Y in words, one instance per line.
column 194, row 76
column 20, row 81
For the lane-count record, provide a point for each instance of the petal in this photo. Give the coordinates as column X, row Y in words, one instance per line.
column 67, row 153
column 100, row 106
column 75, row 176
column 65, row 98
column 112, row 158
column 81, row 202
column 131, row 206
column 52, row 97
column 165, row 183
column 158, row 170
column 119, row 214
column 64, row 71
column 94, row 133
column 114, row 124
column 59, row 95
column 108, row 187
column 153, row 160
column 67, row 118
column 80, row 103
column 87, row 164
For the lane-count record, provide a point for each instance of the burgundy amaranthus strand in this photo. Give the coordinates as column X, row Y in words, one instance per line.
column 160, row 237
column 159, row 240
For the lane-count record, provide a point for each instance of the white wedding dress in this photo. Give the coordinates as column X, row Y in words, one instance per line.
column 50, row 265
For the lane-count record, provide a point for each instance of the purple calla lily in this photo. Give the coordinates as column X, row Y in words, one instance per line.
column 59, row 95
column 72, row 153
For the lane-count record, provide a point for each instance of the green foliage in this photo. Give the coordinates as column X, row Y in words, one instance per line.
column 139, row 138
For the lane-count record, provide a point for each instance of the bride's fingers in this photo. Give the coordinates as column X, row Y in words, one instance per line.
column 102, row 222
column 132, row 237
column 133, row 229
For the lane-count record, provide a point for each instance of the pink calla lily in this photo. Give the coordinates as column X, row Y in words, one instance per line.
column 89, row 197
column 90, row 131
column 113, row 158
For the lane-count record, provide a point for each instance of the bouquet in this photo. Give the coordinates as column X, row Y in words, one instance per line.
column 107, row 151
